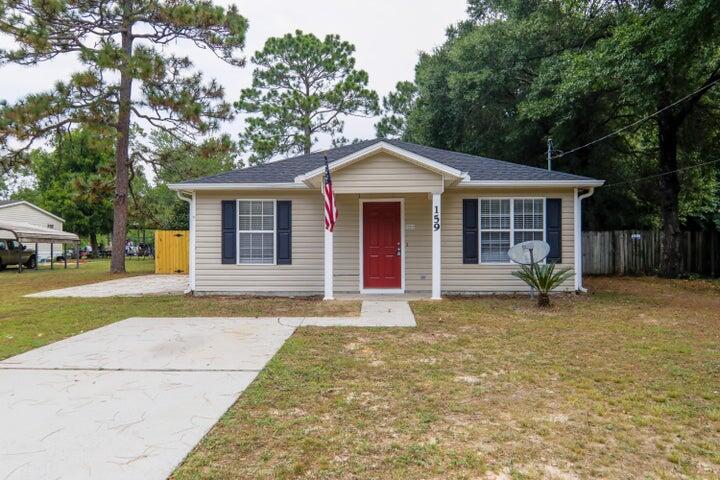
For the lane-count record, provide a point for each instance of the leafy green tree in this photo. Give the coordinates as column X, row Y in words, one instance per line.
column 517, row 73
column 75, row 181
column 302, row 87
column 173, row 161
column 654, row 57
column 119, row 42
column 397, row 105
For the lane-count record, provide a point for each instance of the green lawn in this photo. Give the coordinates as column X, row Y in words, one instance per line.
column 27, row 323
column 624, row 383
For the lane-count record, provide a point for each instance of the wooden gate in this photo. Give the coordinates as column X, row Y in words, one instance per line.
column 172, row 251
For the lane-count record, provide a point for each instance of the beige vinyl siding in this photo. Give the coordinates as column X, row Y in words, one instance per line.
column 305, row 275
column 418, row 241
column 24, row 213
column 479, row 278
column 385, row 173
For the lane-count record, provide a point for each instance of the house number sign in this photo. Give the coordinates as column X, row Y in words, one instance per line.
column 436, row 219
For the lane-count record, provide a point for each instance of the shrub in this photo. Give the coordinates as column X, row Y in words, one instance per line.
column 543, row 278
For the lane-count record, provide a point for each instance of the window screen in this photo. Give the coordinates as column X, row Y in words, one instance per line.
column 528, row 221
column 256, row 231
column 494, row 230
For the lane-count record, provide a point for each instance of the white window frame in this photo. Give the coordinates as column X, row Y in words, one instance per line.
column 237, row 231
column 512, row 224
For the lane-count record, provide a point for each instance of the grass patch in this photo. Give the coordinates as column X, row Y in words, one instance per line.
column 618, row 384
column 27, row 323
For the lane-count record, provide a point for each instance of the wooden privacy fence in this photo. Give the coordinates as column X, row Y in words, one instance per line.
column 634, row 252
column 172, row 249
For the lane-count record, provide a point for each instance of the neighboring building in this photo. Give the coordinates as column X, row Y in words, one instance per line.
column 23, row 211
column 411, row 219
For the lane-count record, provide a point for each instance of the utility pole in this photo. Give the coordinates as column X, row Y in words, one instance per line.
column 549, row 153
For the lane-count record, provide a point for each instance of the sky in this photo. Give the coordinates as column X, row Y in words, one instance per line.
column 388, row 36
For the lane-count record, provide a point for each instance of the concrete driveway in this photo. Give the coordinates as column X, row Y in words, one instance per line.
column 129, row 400
column 123, row 287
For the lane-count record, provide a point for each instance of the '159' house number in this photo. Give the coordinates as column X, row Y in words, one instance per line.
column 436, row 219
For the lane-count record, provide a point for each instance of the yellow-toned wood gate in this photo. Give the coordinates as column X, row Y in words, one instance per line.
column 172, row 249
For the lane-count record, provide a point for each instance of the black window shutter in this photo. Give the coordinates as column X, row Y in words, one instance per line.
column 553, row 228
column 284, row 232
column 229, row 231
column 470, row 230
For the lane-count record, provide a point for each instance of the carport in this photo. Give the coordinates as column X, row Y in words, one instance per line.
column 27, row 233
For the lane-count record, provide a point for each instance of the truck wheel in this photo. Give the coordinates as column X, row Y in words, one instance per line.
column 2, row 266
column 31, row 263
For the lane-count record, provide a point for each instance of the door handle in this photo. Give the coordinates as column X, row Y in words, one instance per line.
column 398, row 252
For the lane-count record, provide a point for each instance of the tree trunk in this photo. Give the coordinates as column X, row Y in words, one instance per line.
column 669, row 194
column 122, row 179
column 543, row 300
column 308, row 140
column 93, row 244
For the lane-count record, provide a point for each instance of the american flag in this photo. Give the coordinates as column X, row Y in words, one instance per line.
column 331, row 212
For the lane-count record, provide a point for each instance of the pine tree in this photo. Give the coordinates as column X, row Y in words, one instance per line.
column 127, row 78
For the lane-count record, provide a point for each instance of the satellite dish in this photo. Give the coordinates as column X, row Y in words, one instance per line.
column 528, row 253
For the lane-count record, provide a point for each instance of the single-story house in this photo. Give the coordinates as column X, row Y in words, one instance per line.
column 412, row 219
column 26, row 212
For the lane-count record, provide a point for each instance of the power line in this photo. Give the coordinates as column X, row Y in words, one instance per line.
column 605, row 137
column 660, row 174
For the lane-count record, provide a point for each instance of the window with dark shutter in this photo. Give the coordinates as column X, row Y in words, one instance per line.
column 229, row 231
column 284, row 232
column 256, row 232
column 553, row 228
column 470, row 230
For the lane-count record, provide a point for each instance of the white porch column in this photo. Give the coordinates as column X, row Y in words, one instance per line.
column 328, row 265
column 436, row 230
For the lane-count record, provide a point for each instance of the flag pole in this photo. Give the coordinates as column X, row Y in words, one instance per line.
column 328, row 239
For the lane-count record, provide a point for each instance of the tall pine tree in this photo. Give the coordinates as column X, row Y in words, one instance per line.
column 127, row 77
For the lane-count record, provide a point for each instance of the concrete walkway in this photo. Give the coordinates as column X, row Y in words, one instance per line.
column 123, row 287
column 131, row 399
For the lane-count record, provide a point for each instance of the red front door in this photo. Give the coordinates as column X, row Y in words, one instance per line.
column 381, row 245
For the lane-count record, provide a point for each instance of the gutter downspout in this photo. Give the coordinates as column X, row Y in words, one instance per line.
column 191, row 222
column 578, row 237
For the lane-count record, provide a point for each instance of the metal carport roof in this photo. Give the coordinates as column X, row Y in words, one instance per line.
column 28, row 233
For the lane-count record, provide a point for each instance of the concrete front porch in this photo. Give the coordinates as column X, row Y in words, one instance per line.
column 384, row 297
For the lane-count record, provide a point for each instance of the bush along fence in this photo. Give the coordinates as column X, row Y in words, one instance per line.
column 639, row 252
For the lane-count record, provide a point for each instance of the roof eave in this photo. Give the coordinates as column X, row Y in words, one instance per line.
column 531, row 183
column 190, row 187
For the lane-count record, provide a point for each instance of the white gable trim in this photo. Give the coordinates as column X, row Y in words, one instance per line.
column 384, row 146
column 25, row 202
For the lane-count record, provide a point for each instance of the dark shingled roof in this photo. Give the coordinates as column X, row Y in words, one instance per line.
column 8, row 202
column 479, row 168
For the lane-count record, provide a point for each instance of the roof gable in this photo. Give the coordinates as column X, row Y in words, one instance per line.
column 374, row 149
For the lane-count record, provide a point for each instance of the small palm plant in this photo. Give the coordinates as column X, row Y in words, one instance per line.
column 543, row 278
